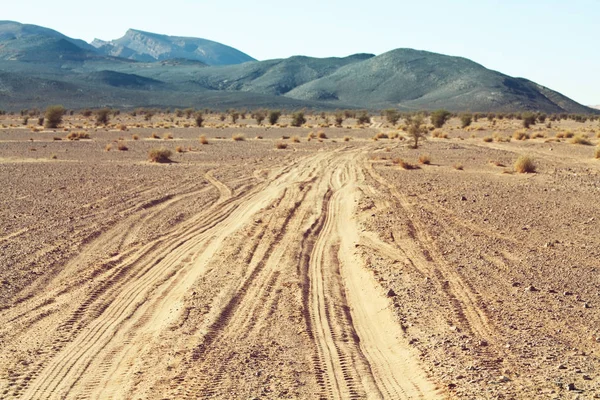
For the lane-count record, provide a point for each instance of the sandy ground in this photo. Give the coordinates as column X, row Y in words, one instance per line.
column 323, row 270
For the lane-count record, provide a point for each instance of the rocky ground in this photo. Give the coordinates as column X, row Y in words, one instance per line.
column 322, row 269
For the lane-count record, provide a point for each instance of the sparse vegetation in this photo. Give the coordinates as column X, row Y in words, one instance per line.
column 281, row 145
column 392, row 116
column 525, row 165
column 439, row 118
column 580, row 139
column 416, row 130
column 425, row 159
column 161, row 155
column 103, row 116
column 274, row 117
column 203, row 139
column 298, row 119
column 121, row 146
column 363, row 118
column 238, row 137
column 78, row 135
column 54, row 115
column 466, row 120
column 199, row 118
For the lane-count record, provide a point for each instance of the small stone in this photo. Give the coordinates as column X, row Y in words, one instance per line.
column 463, row 198
column 586, row 378
column 567, row 293
column 503, row 379
column 391, row 293
column 561, row 367
column 586, row 305
column 571, row 386
column 531, row 289
column 483, row 343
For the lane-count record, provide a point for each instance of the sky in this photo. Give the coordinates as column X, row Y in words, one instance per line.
column 554, row 43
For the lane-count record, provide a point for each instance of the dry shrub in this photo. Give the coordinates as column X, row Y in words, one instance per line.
column 497, row 164
column 295, row 139
column 347, row 138
column 56, row 138
column 281, row 146
column 161, row 155
column 488, row 139
column 78, row 135
column 403, row 164
column 525, row 165
column 538, row 135
column 135, row 137
column 580, row 139
column 179, row 149
column 203, row 139
column 458, row 166
column 122, row 147
column 154, row 136
column 108, row 147
column 168, row 136
column 238, row 137
column 597, row 153
column 321, row 135
column 311, row 135
column 382, row 135
column 122, row 127
column 424, row 159
column 394, row 135
column 521, row 135
column 259, row 137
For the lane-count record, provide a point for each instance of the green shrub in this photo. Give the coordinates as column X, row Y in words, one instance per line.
column 54, row 115
column 466, row 120
column 102, row 116
column 439, row 118
column 274, row 117
column 298, row 119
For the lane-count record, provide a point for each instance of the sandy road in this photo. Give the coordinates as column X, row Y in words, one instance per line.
column 262, row 294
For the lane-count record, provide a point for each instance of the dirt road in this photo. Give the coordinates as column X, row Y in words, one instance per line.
column 262, row 294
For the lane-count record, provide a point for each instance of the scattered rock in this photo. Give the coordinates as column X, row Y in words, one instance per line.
column 463, row 198
column 391, row 293
column 503, row 379
column 561, row 367
column 586, row 378
column 531, row 289
column 571, row 387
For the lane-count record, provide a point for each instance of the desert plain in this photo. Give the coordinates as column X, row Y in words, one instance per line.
column 345, row 266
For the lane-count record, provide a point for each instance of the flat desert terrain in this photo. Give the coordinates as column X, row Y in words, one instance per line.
column 282, row 267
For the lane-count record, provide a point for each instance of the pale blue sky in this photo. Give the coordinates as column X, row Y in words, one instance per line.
column 554, row 43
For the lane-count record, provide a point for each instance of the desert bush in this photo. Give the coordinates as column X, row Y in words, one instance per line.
column 154, row 136
column 295, row 139
column 274, row 116
column 135, row 137
column 78, row 135
column 54, row 115
column 466, row 120
column 148, row 116
column 392, row 116
column 103, row 116
column 168, row 136
column 122, row 127
column 458, row 166
column 521, row 135
column 259, row 116
column 86, row 113
column 281, row 145
column 525, row 165
column 403, row 164
column 488, row 139
column 347, row 138
column 179, row 149
column 580, row 139
column 199, row 118
column 298, row 119
column 25, row 119
column 234, row 116
column 108, row 147
column 203, row 139
column 528, row 119
column 238, row 137
column 424, row 159
column 439, row 118
column 597, row 153
column 363, row 118
column 321, row 135
column 161, row 155
column 339, row 119
column 122, row 146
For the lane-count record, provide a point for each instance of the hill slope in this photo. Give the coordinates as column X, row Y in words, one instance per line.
column 146, row 46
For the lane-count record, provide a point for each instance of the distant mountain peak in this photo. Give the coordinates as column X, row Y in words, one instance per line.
column 147, row 46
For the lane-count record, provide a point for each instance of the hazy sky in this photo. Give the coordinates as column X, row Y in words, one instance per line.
column 554, row 43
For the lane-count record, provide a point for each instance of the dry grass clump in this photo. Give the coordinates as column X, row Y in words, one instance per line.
column 382, row 135
column 458, row 166
column 122, row 127
column 439, row 134
column 154, row 136
column 347, row 138
column 56, row 138
column 108, row 147
column 311, row 135
column 404, row 164
column 238, row 137
column 203, row 139
column 161, row 155
column 424, row 159
column 521, row 135
column 581, row 139
column 281, row 146
column 525, row 165
column 179, row 149
column 321, row 135
column 168, row 136
column 499, row 138
column 537, row 135
column 78, row 135
column 597, row 153
column 488, row 139
column 258, row 137
column 122, row 147
column 135, row 137
column 497, row 164
column 295, row 139
column 394, row 135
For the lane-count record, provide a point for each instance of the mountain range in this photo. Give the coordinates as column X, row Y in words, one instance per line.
column 40, row 66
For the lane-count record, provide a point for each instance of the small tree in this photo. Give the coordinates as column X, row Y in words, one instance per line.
column 274, row 117
column 465, row 120
column 364, row 118
column 199, row 119
column 54, row 115
column 259, row 116
column 234, row 116
column 102, row 116
column 339, row 118
column 416, row 130
column 528, row 119
column 392, row 116
column 298, row 119
column 439, row 118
